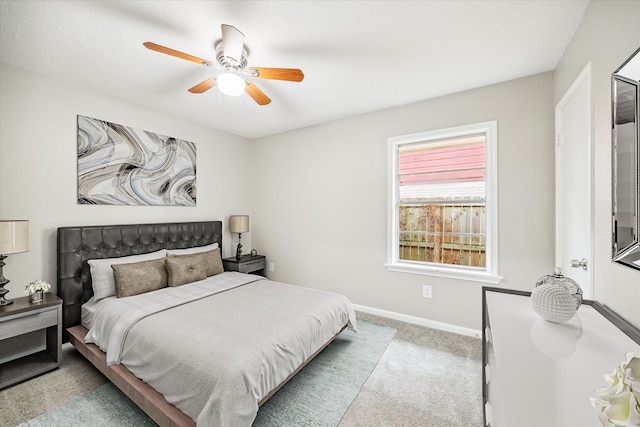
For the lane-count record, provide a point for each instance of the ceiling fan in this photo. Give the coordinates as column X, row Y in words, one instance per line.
column 231, row 57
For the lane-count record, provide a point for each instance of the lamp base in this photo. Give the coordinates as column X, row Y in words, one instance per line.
column 3, row 292
column 239, row 248
column 3, row 282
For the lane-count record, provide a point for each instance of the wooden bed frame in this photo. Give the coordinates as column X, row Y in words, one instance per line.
column 76, row 245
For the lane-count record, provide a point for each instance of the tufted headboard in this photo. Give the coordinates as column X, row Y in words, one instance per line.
column 76, row 245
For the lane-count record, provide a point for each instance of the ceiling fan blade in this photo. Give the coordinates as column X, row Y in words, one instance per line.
column 233, row 42
column 204, row 86
column 290, row 74
column 177, row 54
column 257, row 95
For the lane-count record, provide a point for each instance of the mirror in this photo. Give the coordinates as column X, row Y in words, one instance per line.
column 625, row 166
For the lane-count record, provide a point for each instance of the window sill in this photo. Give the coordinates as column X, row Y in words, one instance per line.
column 450, row 273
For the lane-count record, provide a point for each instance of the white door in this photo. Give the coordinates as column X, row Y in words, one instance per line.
column 573, row 183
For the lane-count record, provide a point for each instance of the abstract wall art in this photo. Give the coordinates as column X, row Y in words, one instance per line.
column 120, row 165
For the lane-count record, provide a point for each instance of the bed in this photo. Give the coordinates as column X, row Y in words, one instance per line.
column 210, row 348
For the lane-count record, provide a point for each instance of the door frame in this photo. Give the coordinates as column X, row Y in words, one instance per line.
column 584, row 79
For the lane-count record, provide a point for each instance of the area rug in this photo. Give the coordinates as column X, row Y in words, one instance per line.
column 318, row 395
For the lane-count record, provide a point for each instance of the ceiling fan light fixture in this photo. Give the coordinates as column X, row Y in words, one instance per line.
column 231, row 84
column 231, row 58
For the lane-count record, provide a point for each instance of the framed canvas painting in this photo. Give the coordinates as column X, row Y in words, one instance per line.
column 120, row 165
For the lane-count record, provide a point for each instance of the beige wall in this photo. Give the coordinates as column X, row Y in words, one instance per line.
column 38, row 168
column 608, row 34
column 320, row 200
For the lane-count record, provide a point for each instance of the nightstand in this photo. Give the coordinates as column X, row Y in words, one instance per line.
column 30, row 338
column 247, row 264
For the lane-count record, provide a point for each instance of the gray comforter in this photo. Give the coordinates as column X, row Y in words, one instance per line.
column 217, row 357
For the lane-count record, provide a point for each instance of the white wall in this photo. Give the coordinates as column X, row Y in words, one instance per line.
column 318, row 196
column 320, row 200
column 608, row 34
column 38, row 168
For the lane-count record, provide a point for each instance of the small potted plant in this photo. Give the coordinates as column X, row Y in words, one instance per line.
column 36, row 290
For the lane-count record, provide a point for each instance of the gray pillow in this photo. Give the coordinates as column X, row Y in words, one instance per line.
column 139, row 277
column 185, row 269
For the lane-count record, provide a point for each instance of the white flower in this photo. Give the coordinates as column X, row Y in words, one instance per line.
column 38, row 285
column 619, row 403
column 632, row 374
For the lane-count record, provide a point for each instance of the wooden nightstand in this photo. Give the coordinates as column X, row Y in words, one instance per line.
column 248, row 264
column 30, row 338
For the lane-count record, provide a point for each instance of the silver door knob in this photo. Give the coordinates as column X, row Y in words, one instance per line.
column 576, row 264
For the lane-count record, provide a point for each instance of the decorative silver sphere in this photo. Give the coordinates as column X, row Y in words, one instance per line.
column 556, row 298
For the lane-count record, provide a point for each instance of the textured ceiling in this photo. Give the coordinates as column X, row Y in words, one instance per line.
column 357, row 56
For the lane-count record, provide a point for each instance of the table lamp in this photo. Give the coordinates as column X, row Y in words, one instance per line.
column 239, row 224
column 14, row 238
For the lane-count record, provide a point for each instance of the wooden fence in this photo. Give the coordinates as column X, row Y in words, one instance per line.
column 443, row 233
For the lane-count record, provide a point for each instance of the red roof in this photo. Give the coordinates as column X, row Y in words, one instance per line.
column 462, row 163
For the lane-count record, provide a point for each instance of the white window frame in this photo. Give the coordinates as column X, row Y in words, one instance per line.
column 490, row 273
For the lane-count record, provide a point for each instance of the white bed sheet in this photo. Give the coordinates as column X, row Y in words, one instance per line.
column 217, row 357
column 112, row 322
column 89, row 308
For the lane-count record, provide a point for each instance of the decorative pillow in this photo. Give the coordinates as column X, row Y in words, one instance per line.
column 102, row 274
column 211, row 261
column 185, row 269
column 194, row 250
column 139, row 277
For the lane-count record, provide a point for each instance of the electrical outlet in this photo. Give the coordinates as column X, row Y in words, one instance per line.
column 272, row 266
column 426, row 291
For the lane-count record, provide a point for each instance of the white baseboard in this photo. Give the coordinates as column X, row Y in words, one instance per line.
column 419, row 321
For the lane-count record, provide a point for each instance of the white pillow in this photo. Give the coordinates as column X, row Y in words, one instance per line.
column 102, row 279
column 194, row 250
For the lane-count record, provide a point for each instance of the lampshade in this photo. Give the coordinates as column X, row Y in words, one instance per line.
column 239, row 223
column 231, row 84
column 14, row 237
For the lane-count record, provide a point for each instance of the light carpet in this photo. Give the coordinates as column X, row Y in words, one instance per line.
column 318, row 395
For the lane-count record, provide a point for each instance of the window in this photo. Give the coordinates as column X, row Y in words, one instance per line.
column 443, row 203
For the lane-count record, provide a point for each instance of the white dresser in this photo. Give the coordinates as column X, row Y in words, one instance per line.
column 542, row 374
